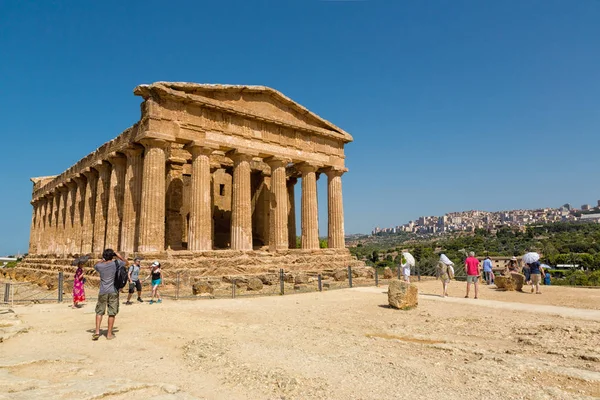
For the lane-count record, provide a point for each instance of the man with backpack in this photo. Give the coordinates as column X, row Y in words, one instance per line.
column 112, row 272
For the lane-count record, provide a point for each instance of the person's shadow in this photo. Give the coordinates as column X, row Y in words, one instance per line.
column 103, row 332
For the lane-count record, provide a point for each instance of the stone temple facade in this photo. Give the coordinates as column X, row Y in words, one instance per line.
column 206, row 179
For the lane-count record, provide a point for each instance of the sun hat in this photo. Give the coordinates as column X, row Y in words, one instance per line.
column 156, row 264
column 513, row 258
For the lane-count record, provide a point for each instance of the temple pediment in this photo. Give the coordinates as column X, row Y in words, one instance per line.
column 260, row 102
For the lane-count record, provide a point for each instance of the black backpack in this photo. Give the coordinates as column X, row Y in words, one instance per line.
column 121, row 276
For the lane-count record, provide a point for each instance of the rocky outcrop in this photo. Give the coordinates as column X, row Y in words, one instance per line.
column 387, row 273
column 519, row 280
column 202, row 288
column 402, row 295
column 255, row 284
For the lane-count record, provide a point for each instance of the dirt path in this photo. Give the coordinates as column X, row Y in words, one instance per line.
column 343, row 344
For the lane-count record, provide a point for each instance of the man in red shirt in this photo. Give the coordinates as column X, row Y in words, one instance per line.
column 473, row 269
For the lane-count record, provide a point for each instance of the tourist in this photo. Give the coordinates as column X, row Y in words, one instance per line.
column 487, row 271
column 536, row 272
column 108, row 295
column 512, row 266
column 134, row 281
column 445, row 273
column 79, row 282
column 473, row 269
column 527, row 273
column 156, row 275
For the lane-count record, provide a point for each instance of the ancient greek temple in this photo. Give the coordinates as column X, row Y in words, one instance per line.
column 206, row 169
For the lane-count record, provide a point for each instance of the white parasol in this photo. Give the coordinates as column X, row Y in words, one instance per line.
column 444, row 258
column 531, row 257
column 410, row 260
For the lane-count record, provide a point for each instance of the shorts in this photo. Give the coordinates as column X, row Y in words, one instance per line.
column 156, row 282
column 472, row 278
column 110, row 301
column 536, row 279
column 135, row 285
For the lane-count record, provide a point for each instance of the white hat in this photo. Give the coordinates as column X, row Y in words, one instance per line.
column 156, row 264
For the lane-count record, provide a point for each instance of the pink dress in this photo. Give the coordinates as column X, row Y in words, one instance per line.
column 78, row 289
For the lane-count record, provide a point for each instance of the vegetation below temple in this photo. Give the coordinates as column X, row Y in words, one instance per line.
column 559, row 243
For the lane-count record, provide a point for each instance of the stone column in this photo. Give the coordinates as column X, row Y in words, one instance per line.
column 58, row 226
column 278, row 216
column 101, row 211
column 291, row 184
column 78, row 213
column 335, row 209
column 89, row 211
column 40, row 225
column 200, row 224
column 241, row 206
column 64, row 212
column 115, row 202
column 310, row 221
column 152, row 223
column 70, row 218
column 32, row 230
column 131, row 199
column 49, row 228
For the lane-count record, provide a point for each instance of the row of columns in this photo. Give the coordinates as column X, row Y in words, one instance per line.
column 120, row 203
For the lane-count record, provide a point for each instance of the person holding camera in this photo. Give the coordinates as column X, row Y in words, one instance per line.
column 108, row 295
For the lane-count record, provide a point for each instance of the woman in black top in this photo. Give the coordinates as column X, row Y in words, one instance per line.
column 155, row 273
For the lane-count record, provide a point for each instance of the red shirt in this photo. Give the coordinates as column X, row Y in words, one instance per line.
column 471, row 264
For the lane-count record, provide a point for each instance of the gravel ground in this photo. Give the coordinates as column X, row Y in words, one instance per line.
column 342, row 344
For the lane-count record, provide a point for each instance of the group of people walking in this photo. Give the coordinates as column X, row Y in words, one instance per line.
column 534, row 272
column 108, row 294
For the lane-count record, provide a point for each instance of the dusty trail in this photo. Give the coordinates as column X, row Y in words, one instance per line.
column 343, row 344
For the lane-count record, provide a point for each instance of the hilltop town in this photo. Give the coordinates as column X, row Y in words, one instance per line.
column 469, row 221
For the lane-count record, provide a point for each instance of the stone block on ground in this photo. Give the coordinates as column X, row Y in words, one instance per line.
column 402, row 295
column 504, row 282
column 519, row 280
column 255, row 284
column 387, row 273
column 200, row 288
column 301, row 279
column 340, row 275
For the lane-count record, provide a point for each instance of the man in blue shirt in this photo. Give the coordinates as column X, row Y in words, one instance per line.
column 487, row 270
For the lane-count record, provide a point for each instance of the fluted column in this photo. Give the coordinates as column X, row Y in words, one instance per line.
column 291, row 184
column 200, row 223
column 32, row 230
column 62, row 219
column 70, row 218
column 79, row 200
column 57, row 225
column 131, row 199
column 40, row 225
column 278, row 216
column 335, row 209
column 49, row 229
column 115, row 201
column 100, row 214
column 310, row 222
column 152, row 223
column 241, row 203
column 89, row 211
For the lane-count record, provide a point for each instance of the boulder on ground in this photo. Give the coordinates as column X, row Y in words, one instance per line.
column 255, row 284
column 269, row 279
column 402, row 295
column 300, row 279
column 387, row 273
column 519, row 280
column 504, row 282
column 200, row 288
column 340, row 275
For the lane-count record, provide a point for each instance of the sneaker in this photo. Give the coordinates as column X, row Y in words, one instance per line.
column 159, row 301
column 128, row 303
column 140, row 300
column 151, row 302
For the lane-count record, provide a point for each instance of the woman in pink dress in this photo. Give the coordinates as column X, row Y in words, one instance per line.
column 79, row 283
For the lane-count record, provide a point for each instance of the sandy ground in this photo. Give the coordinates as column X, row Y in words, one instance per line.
column 342, row 344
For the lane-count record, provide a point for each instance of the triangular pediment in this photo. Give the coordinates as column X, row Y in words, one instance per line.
column 260, row 101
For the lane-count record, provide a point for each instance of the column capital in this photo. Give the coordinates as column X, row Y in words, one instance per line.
column 239, row 155
column 117, row 159
column 62, row 188
column 70, row 183
column 90, row 173
column 196, row 149
column 335, row 171
column 102, row 166
column 133, row 150
column 307, row 167
column 80, row 179
column 153, row 142
column 277, row 161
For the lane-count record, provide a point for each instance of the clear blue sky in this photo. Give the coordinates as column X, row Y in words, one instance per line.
column 453, row 105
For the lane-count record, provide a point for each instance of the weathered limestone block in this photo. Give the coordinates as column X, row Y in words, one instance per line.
column 255, row 284
column 519, row 280
column 503, row 282
column 340, row 275
column 402, row 295
column 201, row 288
column 269, row 279
column 301, row 279
column 387, row 273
